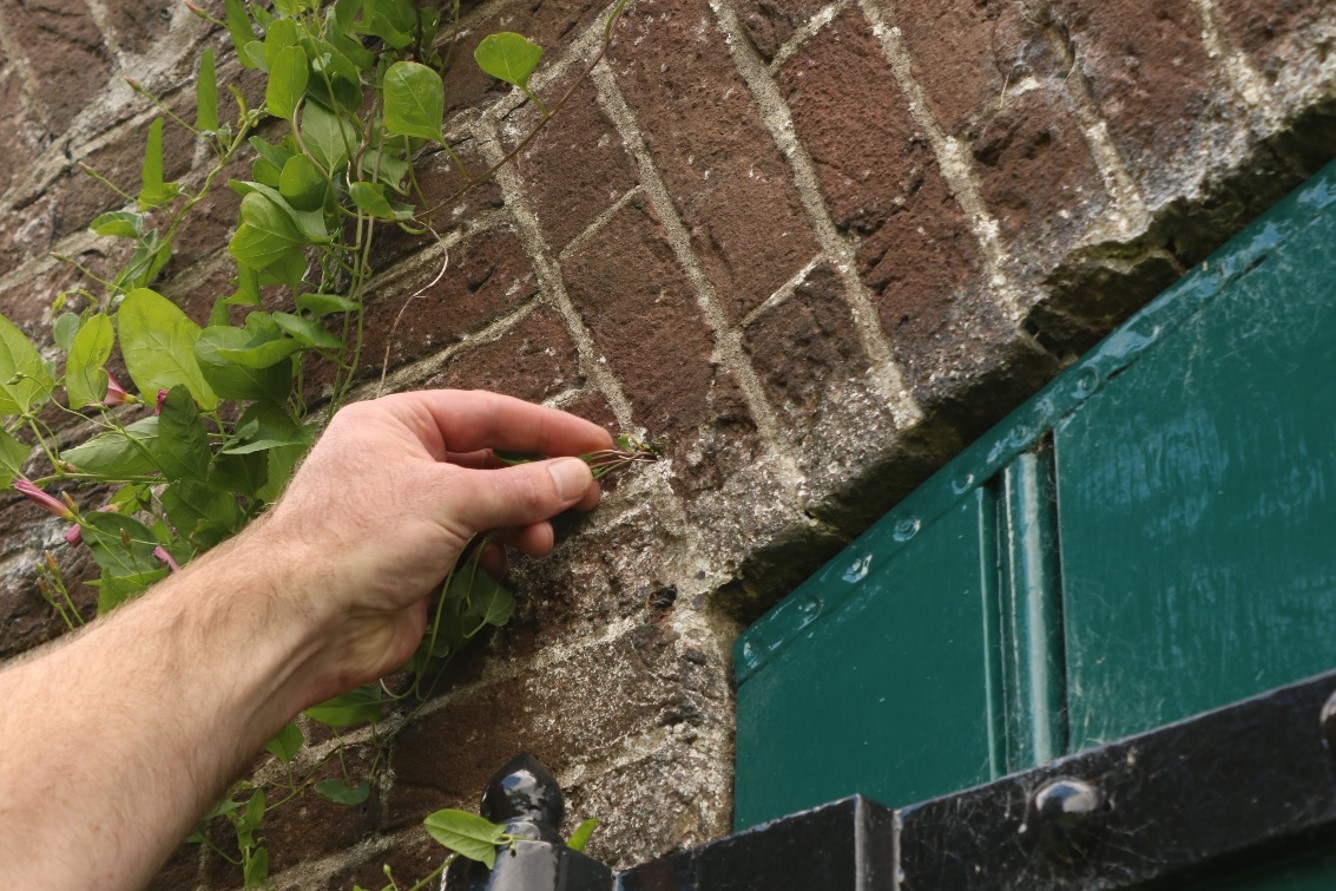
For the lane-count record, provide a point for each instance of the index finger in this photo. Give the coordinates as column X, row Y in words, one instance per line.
column 472, row 420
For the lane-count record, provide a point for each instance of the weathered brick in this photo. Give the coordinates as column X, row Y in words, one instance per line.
column 808, row 357
column 665, row 802
column 14, row 145
column 1037, row 176
column 882, row 181
column 137, row 24
column 488, row 275
column 731, row 186
column 644, row 319
column 575, row 169
column 450, row 199
column 409, row 861
column 770, row 23
column 310, row 826
column 1168, row 107
column 549, row 23
column 80, row 199
column 65, row 52
column 26, row 620
column 555, row 711
column 964, row 53
column 534, row 361
column 1268, row 30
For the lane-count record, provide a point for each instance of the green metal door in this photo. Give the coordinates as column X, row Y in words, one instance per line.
column 1150, row 537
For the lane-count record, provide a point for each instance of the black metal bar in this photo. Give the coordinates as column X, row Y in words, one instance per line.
column 1241, row 780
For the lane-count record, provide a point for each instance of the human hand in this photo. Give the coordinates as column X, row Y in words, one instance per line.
column 387, row 500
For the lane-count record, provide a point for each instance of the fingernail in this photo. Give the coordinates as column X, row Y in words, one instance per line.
column 571, row 476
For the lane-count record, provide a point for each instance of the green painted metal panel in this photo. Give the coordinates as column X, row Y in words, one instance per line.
column 884, row 693
column 1197, row 498
column 1194, row 515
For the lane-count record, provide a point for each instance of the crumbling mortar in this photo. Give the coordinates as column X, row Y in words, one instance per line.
column 886, row 376
column 805, row 32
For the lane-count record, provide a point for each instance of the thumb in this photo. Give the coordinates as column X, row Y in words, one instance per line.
column 523, row 494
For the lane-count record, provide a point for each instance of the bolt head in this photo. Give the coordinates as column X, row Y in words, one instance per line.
column 1066, row 801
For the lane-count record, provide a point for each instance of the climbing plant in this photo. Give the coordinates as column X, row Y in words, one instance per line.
column 213, row 418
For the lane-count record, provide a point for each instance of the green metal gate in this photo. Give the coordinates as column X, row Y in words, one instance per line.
column 1150, row 537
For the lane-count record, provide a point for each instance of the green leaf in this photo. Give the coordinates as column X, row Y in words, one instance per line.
column 288, row 75
column 276, row 155
column 370, row 199
column 256, row 871
column 281, row 462
column 158, row 344
column 119, row 224
column 117, row 454
column 183, row 443
column 286, row 743
column 206, row 93
column 235, row 381
column 193, row 506
column 244, row 475
column 335, row 81
column 354, row 707
column 341, row 793
column 64, row 328
column 414, row 100
column 107, row 535
column 468, row 835
column 509, row 57
column 224, row 345
column 239, row 27
column 302, row 184
column 13, row 455
column 253, row 815
column 113, row 590
column 24, row 381
column 280, row 35
column 580, row 837
column 252, row 55
column 310, row 224
column 153, row 190
column 85, row 378
column 324, row 304
column 310, row 333
column 391, row 20
column 327, row 136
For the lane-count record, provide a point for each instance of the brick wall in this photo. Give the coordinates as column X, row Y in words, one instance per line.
column 814, row 247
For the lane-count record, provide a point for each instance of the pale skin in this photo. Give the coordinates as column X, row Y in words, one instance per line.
column 115, row 741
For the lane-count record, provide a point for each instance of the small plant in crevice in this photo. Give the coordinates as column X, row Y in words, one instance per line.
column 211, row 420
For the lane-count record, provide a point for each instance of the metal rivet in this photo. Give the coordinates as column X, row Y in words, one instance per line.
column 1066, row 801
column 1327, row 720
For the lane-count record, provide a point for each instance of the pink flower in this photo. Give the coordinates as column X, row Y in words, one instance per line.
column 116, row 394
column 162, row 398
column 74, row 534
column 161, row 553
column 51, row 503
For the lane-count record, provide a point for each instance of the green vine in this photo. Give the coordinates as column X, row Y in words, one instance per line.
column 216, row 417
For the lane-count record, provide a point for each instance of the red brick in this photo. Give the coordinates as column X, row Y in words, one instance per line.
column 882, row 182
column 409, row 861
column 136, row 24
column 1037, row 176
column 488, row 275
column 1267, row 29
column 534, row 361
column 120, row 161
column 550, row 23
column 575, row 169
column 645, row 320
column 964, row 53
column 15, row 147
column 770, row 23
column 578, row 707
column 1166, row 102
column 66, row 54
column 450, row 199
column 310, row 826
column 732, row 188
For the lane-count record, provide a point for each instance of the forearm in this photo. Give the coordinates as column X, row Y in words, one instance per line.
column 116, row 741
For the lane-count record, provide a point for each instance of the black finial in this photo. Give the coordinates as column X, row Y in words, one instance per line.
column 524, row 789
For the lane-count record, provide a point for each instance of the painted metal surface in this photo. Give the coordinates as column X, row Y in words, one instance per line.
column 1194, row 514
